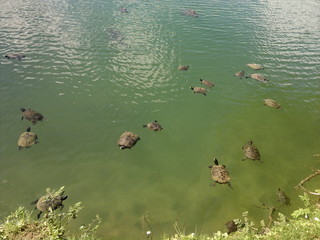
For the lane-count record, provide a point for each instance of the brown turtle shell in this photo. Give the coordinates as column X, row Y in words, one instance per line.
column 251, row 151
column 128, row 140
column 31, row 115
column 27, row 139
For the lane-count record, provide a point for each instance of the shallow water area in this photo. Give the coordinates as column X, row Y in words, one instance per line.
column 95, row 72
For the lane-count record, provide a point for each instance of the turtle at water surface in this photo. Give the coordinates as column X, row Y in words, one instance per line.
column 27, row 139
column 15, row 56
column 199, row 90
column 283, row 198
column 155, row 126
column 258, row 77
column 271, row 103
column 183, row 68
column 255, row 66
column 250, row 151
column 128, row 140
column 231, row 227
column 239, row 74
column 190, row 12
column 219, row 174
column 31, row 115
column 53, row 200
column 207, row 83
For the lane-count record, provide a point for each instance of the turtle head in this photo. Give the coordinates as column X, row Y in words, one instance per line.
column 216, row 161
column 250, row 142
column 28, row 129
column 63, row 198
column 201, row 80
column 144, row 126
column 22, row 109
column 191, row 88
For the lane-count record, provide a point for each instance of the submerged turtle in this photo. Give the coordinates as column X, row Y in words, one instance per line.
column 271, row 103
column 255, row 66
column 31, row 115
column 128, row 140
column 155, row 126
column 199, row 90
column 239, row 74
column 231, row 227
column 219, row 174
column 258, row 77
column 283, row 198
column 15, row 56
column 27, row 139
column 190, row 12
column 51, row 200
column 207, row 83
column 124, row 10
column 250, row 151
column 183, row 68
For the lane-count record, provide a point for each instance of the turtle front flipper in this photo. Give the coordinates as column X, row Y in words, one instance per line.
column 39, row 214
column 229, row 185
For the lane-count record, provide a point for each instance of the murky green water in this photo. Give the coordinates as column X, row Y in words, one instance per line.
column 95, row 72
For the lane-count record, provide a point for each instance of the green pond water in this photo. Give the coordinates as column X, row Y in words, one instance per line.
column 95, row 72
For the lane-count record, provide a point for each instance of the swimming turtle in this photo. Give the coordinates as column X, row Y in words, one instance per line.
column 183, row 68
column 190, row 12
column 219, row 173
column 207, row 83
column 271, row 103
column 231, row 227
column 250, row 151
column 31, row 115
column 15, row 56
column 128, row 140
column 155, row 126
column 239, row 74
column 27, row 139
column 258, row 77
column 283, row 198
column 199, row 90
column 51, row 200
column 124, row 10
column 255, row 66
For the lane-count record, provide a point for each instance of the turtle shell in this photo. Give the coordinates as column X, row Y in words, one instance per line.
column 259, row 77
column 199, row 90
column 128, row 140
column 183, row 68
column 15, row 56
column 155, row 126
column 31, row 115
column 239, row 74
column 255, row 66
column 207, row 83
column 251, row 151
column 271, row 103
column 27, row 139
column 49, row 201
column 220, row 174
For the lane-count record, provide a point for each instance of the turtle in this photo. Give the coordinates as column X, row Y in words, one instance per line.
column 250, row 151
column 258, row 77
column 31, row 115
column 190, row 12
column 51, row 200
column 255, row 66
column 199, row 90
column 271, row 103
column 207, row 83
column 219, row 174
column 15, row 56
column 155, row 126
column 283, row 198
column 183, row 68
column 128, row 140
column 231, row 227
column 27, row 139
column 124, row 10
column 239, row 74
